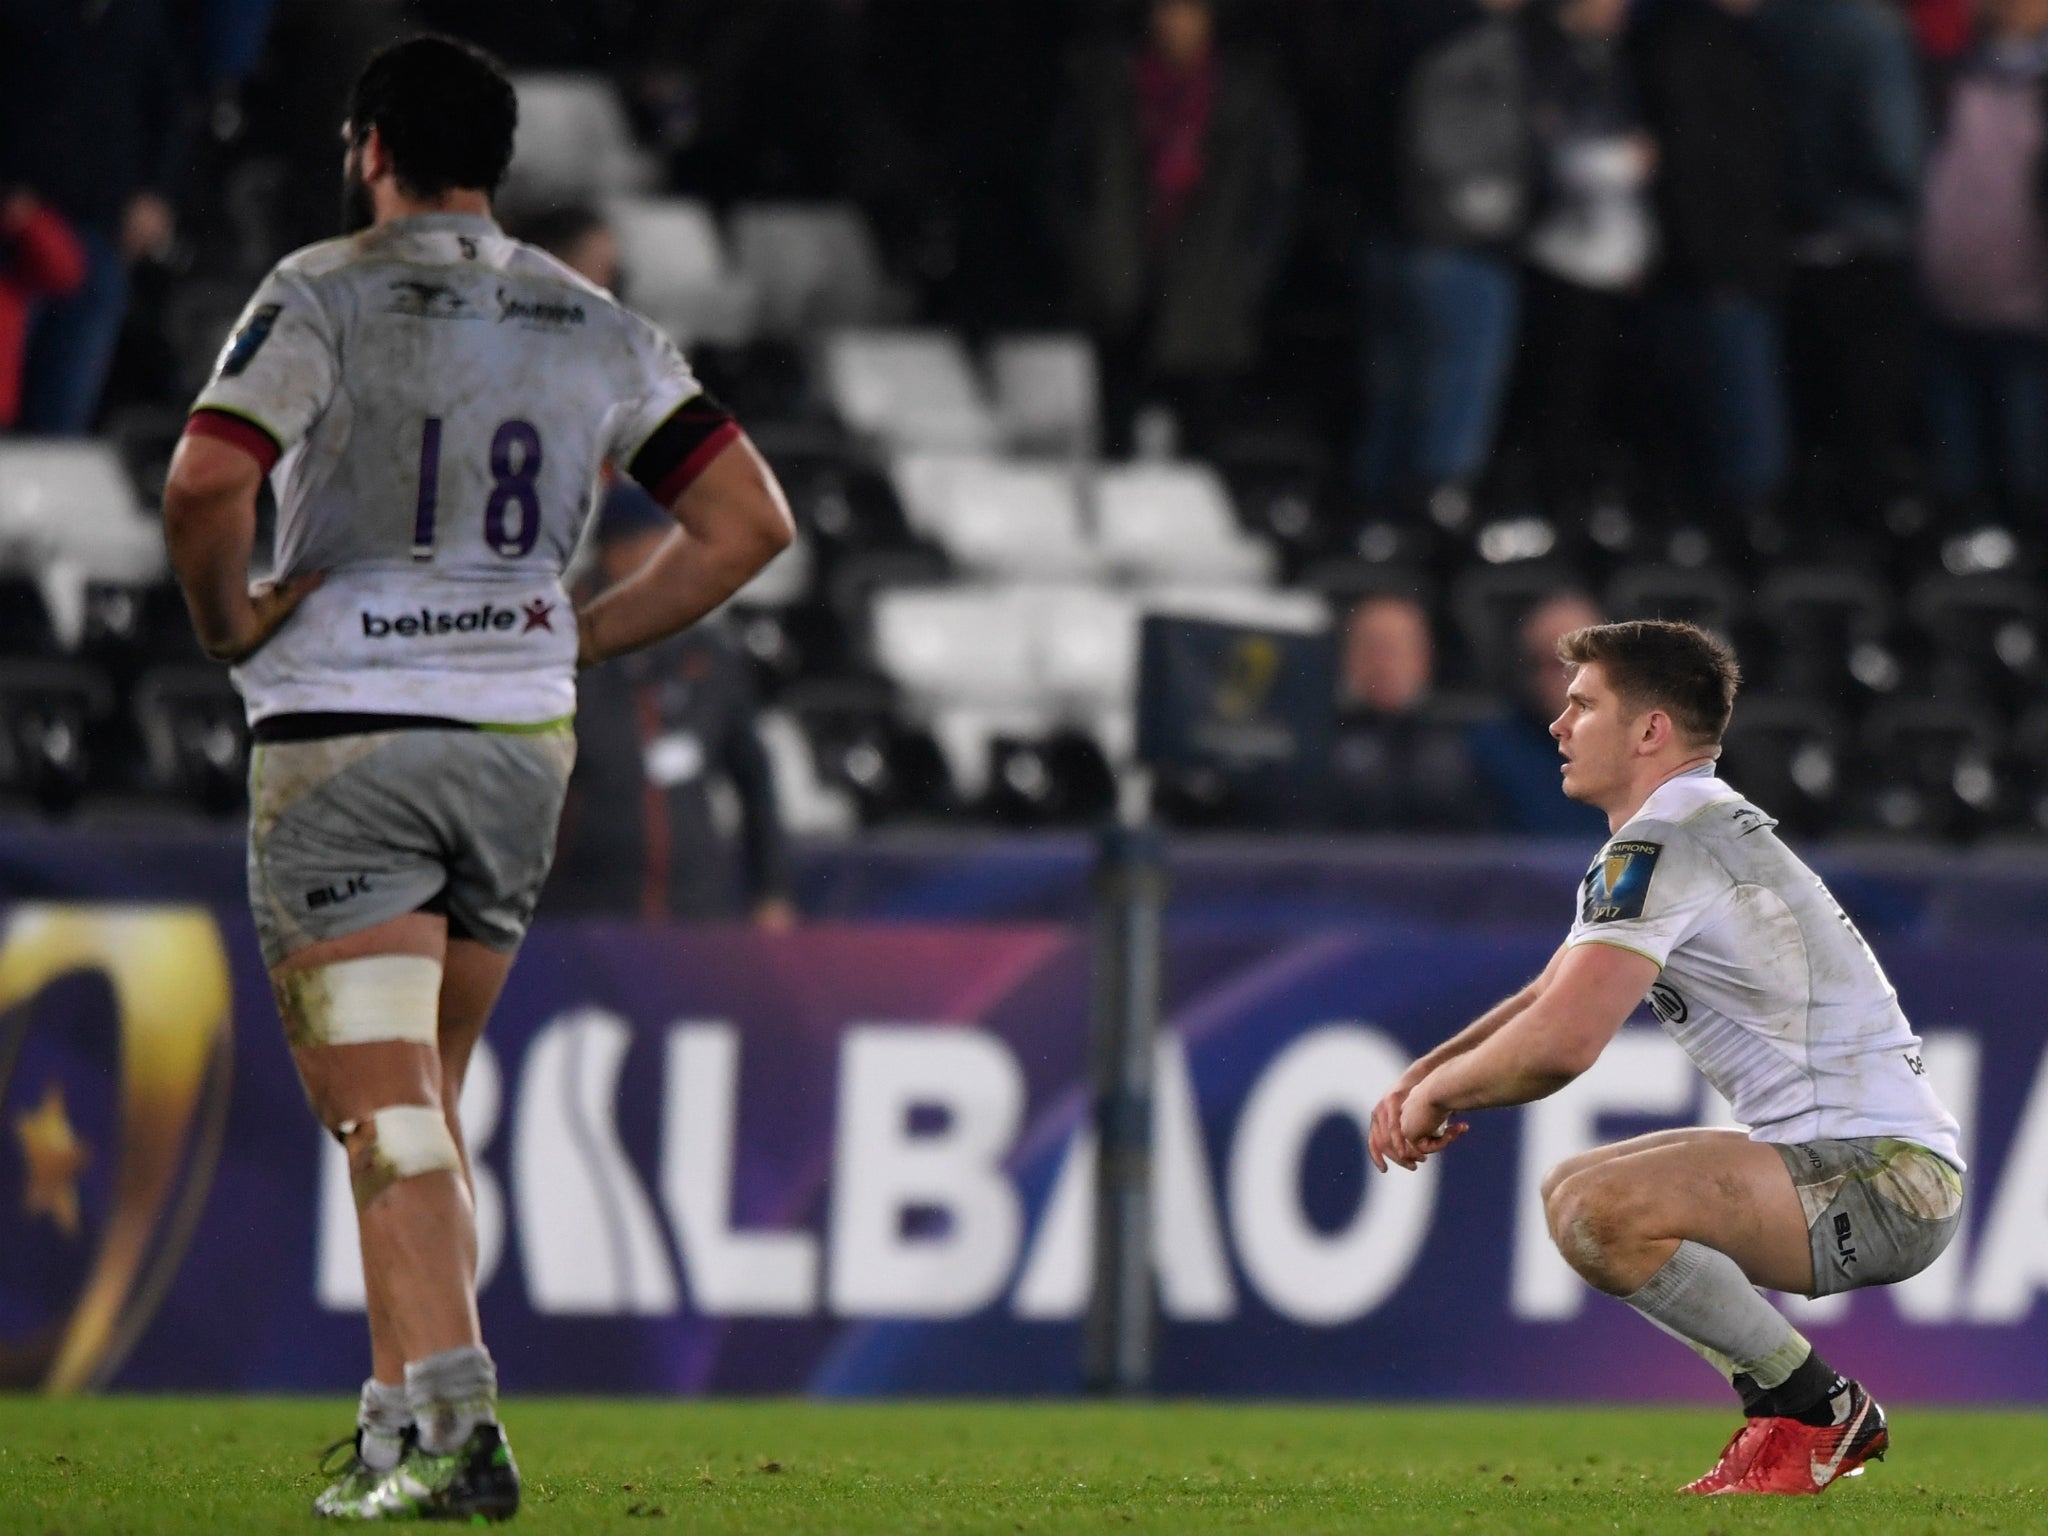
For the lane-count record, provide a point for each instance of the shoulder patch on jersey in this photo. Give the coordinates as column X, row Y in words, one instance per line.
column 243, row 346
column 1619, row 882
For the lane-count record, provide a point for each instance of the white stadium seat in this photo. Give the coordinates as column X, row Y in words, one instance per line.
column 673, row 260
column 1305, row 613
column 813, row 264
column 1085, row 641
column 69, row 516
column 573, row 142
column 954, row 645
column 1172, row 522
column 908, row 389
column 1046, row 392
column 1004, row 517
column 808, row 806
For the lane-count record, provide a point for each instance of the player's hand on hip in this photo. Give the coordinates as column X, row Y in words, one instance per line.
column 271, row 603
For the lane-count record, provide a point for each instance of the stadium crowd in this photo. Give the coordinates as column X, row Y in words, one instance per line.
column 1490, row 316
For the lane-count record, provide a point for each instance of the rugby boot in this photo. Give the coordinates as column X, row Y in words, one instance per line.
column 340, row 1498
column 476, row 1481
column 1777, row 1455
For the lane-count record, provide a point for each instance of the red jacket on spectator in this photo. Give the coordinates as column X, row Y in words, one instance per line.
column 39, row 257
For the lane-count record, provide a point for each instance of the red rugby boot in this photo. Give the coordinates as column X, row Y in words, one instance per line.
column 1786, row 1456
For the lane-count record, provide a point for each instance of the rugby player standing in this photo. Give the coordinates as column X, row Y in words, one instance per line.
column 1850, row 1174
column 432, row 402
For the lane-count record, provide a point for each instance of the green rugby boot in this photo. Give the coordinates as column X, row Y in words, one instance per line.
column 342, row 1499
column 478, row 1480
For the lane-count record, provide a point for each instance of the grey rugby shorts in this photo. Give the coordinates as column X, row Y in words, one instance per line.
column 352, row 831
column 1878, row 1210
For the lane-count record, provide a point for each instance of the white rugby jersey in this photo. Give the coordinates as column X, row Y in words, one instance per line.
column 1766, row 983
column 434, row 401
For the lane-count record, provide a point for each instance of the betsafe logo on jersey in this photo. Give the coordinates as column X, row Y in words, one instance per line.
column 484, row 619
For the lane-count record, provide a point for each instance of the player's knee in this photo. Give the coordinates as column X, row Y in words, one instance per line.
column 369, row 1000
column 1586, row 1221
column 395, row 1143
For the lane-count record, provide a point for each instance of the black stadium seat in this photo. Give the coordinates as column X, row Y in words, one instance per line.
column 1698, row 595
column 1931, row 768
column 1829, row 628
column 190, row 722
column 1984, row 635
column 1792, row 757
column 49, row 714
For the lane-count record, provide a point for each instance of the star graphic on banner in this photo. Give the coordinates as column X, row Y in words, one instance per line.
column 55, row 1158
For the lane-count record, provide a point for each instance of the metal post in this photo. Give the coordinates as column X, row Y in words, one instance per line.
column 1130, row 896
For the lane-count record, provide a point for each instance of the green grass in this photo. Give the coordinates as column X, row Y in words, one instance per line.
column 221, row 1465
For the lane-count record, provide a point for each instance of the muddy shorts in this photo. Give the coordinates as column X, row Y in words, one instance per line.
column 350, row 831
column 1878, row 1210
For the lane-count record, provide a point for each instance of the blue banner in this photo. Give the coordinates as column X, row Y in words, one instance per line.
column 850, row 1159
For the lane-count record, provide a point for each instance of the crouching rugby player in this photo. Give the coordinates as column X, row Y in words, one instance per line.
column 1849, row 1175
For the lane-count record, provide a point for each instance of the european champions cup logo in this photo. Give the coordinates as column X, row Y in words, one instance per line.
column 115, row 1057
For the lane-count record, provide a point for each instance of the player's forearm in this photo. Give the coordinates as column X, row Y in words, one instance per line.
column 686, row 579
column 1479, row 1031
column 1504, row 1070
column 209, row 533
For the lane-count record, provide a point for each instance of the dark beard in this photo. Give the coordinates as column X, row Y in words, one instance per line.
column 357, row 211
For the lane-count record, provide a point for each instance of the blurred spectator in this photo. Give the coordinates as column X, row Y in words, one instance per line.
column 1515, row 752
column 1174, row 179
column 577, row 236
column 1590, row 243
column 661, row 735
column 1395, row 766
column 1711, row 101
column 1854, row 145
column 1984, row 266
column 39, row 258
column 92, row 120
column 1440, row 283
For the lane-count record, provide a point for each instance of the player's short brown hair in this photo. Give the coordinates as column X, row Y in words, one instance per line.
column 1659, row 664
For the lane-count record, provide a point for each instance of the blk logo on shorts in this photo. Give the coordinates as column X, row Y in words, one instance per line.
column 334, row 895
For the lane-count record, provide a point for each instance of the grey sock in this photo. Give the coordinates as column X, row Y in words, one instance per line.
column 451, row 1393
column 1702, row 1298
column 384, row 1417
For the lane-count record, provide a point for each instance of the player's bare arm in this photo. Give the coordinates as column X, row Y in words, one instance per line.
column 1545, row 1046
column 210, row 529
column 732, row 520
column 1384, row 1142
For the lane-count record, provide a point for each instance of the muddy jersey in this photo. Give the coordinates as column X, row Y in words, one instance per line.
column 1765, row 982
column 433, row 401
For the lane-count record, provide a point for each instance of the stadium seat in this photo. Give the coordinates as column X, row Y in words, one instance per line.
column 783, row 582
column 49, row 713
column 1002, row 517
column 1788, row 755
column 191, row 723
column 1085, row 644
column 860, row 748
column 1984, row 635
column 1698, row 595
column 807, row 804
column 814, row 266
column 2026, row 768
column 1488, row 605
column 1277, row 482
column 69, row 515
column 1829, row 628
column 671, row 254
column 1060, row 779
column 961, row 645
column 573, row 144
column 1300, row 612
column 25, row 627
column 1047, row 394
column 1932, row 769
column 1173, row 523
column 908, row 389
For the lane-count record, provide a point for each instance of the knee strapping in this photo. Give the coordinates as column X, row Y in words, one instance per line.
column 363, row 1001
column 405, row 1141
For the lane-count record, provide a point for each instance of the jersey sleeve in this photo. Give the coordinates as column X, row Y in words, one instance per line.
column 669, row 427
column 1651, row 888
column 275, row 375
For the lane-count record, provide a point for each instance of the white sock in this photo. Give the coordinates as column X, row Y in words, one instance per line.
column 1702, row 1298
column 383, row 1418
column 451, row 1393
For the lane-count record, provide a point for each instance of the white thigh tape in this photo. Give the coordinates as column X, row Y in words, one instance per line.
column 379, row 997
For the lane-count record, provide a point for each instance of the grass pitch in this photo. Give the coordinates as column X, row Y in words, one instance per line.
column 215, row 1466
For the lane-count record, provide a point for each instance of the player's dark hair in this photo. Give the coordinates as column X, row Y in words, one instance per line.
column 444, row 111
column 1656, row 663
